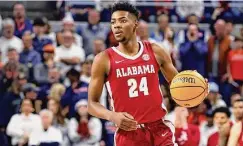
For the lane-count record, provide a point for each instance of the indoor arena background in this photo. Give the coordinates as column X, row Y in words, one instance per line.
column 47, row 49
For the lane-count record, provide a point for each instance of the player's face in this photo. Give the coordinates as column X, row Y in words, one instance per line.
column 123, row 25
column 220, row 119
column 238, row 110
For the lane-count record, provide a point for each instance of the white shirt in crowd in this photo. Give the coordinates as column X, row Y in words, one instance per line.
column 5, row 44
column 67, row 53
column 205, row 133
column 95, row 128
column 51, row 135
column 21, row 124
column 219, row 103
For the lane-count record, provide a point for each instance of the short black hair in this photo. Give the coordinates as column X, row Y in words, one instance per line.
column 125, row 6
column 238, row 100
column 222, row 110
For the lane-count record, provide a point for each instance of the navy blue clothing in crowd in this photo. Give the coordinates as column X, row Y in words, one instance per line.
column 27, row 27
column 72, row 96
column 30, row 57
column 43, row 93
column 39, row 43
column 193, row 56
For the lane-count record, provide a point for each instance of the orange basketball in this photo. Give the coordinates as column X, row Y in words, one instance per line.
column 188, row 88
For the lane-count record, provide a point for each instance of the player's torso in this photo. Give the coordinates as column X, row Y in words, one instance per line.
column 133, row 84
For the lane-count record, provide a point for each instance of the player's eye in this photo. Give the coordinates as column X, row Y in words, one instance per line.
column 112, row 22
column 124, row 21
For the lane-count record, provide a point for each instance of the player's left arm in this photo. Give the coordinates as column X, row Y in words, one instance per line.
column 164, row 60
column 234, row 134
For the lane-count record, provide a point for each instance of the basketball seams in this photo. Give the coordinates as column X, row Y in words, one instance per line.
column 190, row 98
column 186, row 86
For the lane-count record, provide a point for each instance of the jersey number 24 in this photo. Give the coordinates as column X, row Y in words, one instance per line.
column 133, row 84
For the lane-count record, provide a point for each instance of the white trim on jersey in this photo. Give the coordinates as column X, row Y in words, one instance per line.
column 108, row 87
column 130, row 57
column 172, row 129
column 162, row 104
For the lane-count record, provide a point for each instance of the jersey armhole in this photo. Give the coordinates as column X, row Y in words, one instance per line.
column 150, row 49
column 110, row 65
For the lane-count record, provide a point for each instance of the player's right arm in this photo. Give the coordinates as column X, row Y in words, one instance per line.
column 234, row 134
column 100, row 69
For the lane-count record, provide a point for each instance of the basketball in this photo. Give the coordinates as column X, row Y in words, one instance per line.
column 188, row 88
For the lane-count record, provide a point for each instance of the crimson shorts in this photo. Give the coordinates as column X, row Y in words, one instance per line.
column 158, row 133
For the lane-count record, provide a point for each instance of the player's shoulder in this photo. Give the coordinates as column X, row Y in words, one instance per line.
column 102, row 56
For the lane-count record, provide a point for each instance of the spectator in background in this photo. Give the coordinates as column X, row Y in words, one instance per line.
column 22, row 125
column 234, row 65
column 40, row 39
column 92, row 30
column 76, row 91
column 14, row 56
column 30, row 92
column 53, row 77
column 11, row 99
column 163, row 22
column 185, row 134
column 29, row 56
column 57, row 91
column 214, row 97
column 193, row 53
column 69, row 54
column 143, row 32
column 8, row 40
column 41, row 70
column 48, row 135
column 59, row 120
column 218, row 48
column 110, row 40
column 67, row 25
column 229, row 29
column 202, row 34
column 207, row 128
column 233, row 98
column 83, row 129
column 22, row 24
column 221, row 120
column 237, row 110
column 99, row 46
column 241, row 32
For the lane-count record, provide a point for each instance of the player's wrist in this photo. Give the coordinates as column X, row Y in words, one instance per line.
column 110, row 116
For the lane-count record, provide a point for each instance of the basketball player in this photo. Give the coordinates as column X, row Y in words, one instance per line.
column 130, row 71
column 236, row 133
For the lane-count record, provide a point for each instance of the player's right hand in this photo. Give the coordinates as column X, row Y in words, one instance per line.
column 124, row 121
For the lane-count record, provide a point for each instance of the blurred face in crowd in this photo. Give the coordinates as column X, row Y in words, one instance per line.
column 93, row 17
column 68, row 39
column 13, row 55
column 234, row 97
column 53, row 106
column 19, row 11
column 163, row 21
column 8, row 31
column 31, row 95
column 83, row 110
column 22, row 81
column 39, row 30
column 48, row 56
column 68, row 26
column 53, row 75
column 237, row 44
column 99, row 46
column 229, row 28
column 193, row 19
column 220, row 28
column 169, row 33
column 123, row 25
column 46, row 118
column 220, row 119
column 86, row 68
column 210, row 121
column 27, row 107
column 143, row 30
column 11, row 71
column 193, row 30
column 213, row 96
column 27, row 41
column 238, row 110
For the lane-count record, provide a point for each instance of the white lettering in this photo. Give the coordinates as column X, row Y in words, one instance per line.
column 152, row 69
column 140, row 70
column 124, row 74
column 134, row 69
column 118, row 73
column 146, row 69
column 129, row 71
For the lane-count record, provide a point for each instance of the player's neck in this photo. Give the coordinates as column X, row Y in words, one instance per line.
column 130, row 48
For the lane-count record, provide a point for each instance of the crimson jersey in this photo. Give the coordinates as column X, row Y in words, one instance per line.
column 240, row 140
column 133, row 84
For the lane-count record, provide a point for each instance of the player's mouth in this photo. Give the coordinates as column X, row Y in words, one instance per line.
column 118, row 33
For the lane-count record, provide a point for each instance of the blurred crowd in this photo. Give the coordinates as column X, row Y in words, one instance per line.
column 44, row 78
